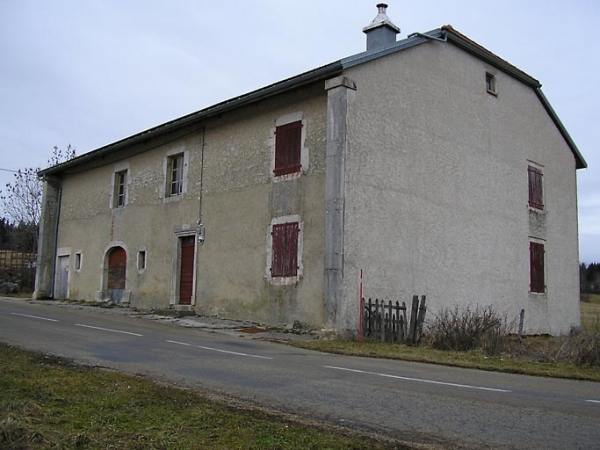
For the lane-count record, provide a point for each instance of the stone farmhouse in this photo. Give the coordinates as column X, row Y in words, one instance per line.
column 432, row 164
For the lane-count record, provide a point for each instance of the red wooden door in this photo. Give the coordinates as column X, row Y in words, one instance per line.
column 186, row 273
column 117, row 264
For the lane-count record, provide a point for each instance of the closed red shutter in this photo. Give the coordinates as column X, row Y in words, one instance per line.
column 285, row 250
column 117, row 268
column 536, row 267
column 186, row 274
column 287, row 148
column 536, row 195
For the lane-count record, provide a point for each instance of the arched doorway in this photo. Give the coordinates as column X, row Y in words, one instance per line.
column 117, row 273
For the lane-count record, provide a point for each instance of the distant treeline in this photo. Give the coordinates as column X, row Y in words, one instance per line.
column 589, row 278
column 18, row 237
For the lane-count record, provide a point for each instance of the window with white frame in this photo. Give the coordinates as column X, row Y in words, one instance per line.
column 175, row 175
column 119, row 196
column 141, row 260
column 289, row 156
column 284, row 250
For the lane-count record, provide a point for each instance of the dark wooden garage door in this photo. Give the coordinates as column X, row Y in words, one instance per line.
column 117, row 263
column 186, row 274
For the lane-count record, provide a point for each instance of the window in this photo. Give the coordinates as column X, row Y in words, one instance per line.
column 288, row 139
column 536, row 194
column 120, row 189
column 284, row 259
column 490, row 83
column 77, row 261
column 536, row 268
column 141, row 261
column 175, row 175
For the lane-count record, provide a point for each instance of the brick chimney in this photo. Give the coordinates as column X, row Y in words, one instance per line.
column 381, row 32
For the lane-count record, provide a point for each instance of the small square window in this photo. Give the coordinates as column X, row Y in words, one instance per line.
column 175, row 175
column 141, row 260
column 288, row 143
column 77, row 261
column 490, row 83
column 120, row 189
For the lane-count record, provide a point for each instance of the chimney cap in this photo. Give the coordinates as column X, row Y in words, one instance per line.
column 381, row 20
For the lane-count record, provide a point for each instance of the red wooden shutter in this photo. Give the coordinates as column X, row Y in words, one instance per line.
column 536, row 267
column 285, row 250
column 287, row 148
column 536, row 197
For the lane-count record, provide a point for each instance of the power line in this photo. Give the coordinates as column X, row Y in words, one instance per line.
column 8, row 170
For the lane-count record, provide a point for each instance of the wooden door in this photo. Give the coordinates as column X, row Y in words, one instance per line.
column 63, row 276
column 117, row 273
column 186, row 272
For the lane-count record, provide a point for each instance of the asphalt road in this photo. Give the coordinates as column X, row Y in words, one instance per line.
column 410, row 401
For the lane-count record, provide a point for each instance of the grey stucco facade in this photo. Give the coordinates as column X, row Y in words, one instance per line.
column 412, row 170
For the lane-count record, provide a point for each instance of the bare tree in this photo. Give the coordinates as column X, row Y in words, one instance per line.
column 21, row 199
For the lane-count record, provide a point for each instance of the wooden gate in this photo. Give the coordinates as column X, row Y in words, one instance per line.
column 186, row 271
column 388, row 322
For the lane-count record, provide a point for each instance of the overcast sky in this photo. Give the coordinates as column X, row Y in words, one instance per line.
column 91, row 72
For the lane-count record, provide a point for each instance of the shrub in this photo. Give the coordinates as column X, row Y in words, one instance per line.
column 582, row 349
column 466, row 329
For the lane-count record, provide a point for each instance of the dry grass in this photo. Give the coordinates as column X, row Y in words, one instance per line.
column 590, row 314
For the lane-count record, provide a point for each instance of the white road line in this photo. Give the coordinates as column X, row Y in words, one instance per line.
column 419, row 380
column 220, row 351
column 593, row 401
column 34, row 317
column 108, row 329
column 179, row 343
column 234, row 353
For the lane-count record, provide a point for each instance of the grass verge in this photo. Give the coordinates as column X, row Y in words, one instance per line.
column 50, row 403
column 475, row 359
column 536, row 355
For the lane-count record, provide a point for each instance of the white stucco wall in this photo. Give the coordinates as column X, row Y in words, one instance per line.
column 436, row 190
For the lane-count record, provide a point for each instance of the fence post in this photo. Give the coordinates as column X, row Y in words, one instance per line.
column 521, row 320
column 382, row 318
column 420, row 320
column 413, row 320
column 360, row 313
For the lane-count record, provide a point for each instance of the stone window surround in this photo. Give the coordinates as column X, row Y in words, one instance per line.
column 284, row 281
column 122, row 166
column 532, row 294
column 304, row 153
column 167, row 176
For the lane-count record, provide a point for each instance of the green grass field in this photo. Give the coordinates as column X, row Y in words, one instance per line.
column 590, row 313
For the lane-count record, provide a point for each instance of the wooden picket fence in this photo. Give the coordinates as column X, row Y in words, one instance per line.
column 388, row 322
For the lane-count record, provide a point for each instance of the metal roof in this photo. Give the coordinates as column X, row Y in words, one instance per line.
column 446, row 34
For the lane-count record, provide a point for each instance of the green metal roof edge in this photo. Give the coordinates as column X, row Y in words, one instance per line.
column 579, row 159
